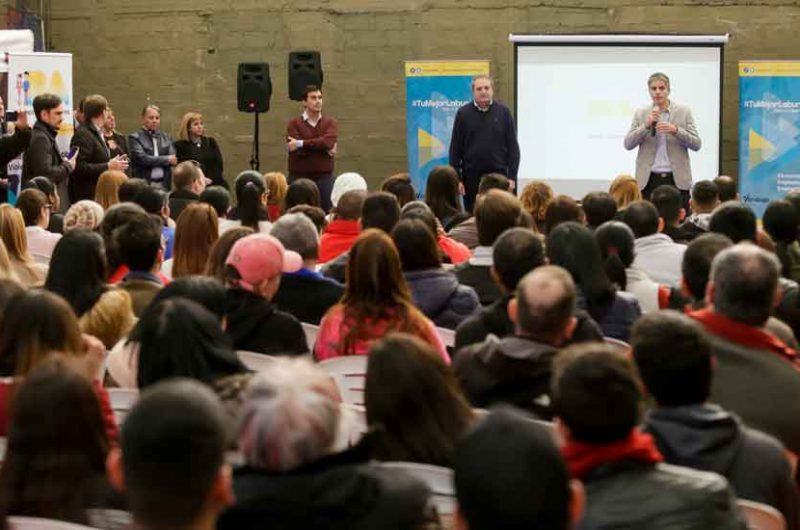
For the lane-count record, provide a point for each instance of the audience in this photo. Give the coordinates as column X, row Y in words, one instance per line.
column 735, row 220
column 400, row 186
column 292, row 481
column 625, row 190
column 15, row 240
column 597, row 398
column 442, row 194
column 572, row 247
column 516, row 369
column 466, row 232
column 306, row 293
column 495, row 212
column 690, row 431
column 154, row 200
column 253, row 275
column 452, row 251
column 344, row 183
column 218, row 198
column 416, row 411
column 341, row 233
column 46, row 186
column 535, row 198
column 781, row 222
column 727, row 187
column 509, row 474
column 251, row 203
column 598, row 207
column 195, row 235
column 316, row 214
column 376, row 301
column 655, row 252
column 704, row 199
column 130, row 187
column 106, row 192
column 141, row 250
column 302, row 191
column 436, row 292
column 116, row 217
column 668, row 202
column 276, row 193
column 83, row 214
column 35, row 210
column 188, row 182
column 562, row 209
column 215, row 267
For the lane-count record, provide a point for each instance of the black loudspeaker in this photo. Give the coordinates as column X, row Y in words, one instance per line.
column 253, row 88
column 305, row 68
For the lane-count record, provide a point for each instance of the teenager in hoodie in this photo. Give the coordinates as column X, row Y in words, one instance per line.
column 705, row 197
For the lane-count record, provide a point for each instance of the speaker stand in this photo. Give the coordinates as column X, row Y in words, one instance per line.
column 254, row 163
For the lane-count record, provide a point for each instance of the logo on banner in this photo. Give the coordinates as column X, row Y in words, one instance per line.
column 430, row 147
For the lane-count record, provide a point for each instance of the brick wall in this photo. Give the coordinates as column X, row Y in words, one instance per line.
column 183, row 55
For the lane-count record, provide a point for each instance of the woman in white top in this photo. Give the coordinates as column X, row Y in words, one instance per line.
column 35, row 208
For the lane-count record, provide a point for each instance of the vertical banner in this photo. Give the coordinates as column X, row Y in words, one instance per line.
column 434, row 92
column 31, row 74
column 769, row 130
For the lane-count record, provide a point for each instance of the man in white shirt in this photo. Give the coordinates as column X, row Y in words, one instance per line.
column 655, row 253
column 35, row 210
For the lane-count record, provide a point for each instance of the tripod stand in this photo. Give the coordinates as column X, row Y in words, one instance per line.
column 254, row 162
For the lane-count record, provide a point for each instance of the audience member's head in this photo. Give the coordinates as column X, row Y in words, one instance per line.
column 12, row 232
column 130, row 187
column 297, row 233
column 251, row 198
column 215, row 267
column 83, row 214
column 794, row 198
column 171, row 465
column 195, row 233
column 599, row 207
column 441, row 193
column 535, row 198
column 345, row 183
column 207, row 291
column 349, row 206
column 667, row 200
column 705, row 197
column 515, row 253
column 9, row 288
column 290, row 416
column 544, row 305
column 277, row 186
column 302, row 191
column 35, row 207
column 315, row 213
column 116, row 217
column 744, row 284
column 616, row 245
column 735, row 220
column 256, row 262
column 727, row 188
column 671, row 348
column 509, row 474
column 78, row 269
column 139, row 243
column 106, row 193
column 643, row 218
column 562, row 209
column 493, row 181
column 421, row 211
column 46, row 186
column 416, row 245
column 625, row 190
column 781, row 221
column 380, row 210
column 495, row 212
column 400, row 186
column 56, row 448
column 153, row 200
column 40, row 324
column 219, row 198
column 596, row 393
column 415, row 408
column 188, row 176
column 696, row 264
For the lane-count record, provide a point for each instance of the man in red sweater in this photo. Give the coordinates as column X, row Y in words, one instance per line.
column 342, row 232
column 311, row 141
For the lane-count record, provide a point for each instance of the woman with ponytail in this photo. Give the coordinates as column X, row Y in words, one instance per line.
column 251, row 203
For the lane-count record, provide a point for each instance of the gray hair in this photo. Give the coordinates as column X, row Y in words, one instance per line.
column 745, row 279
column 290, row 416
column 481, row 76
column 297, row 232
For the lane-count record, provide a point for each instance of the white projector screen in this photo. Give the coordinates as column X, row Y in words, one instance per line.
column 575, row 103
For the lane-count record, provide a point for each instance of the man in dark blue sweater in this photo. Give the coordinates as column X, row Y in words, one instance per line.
column 484, row 139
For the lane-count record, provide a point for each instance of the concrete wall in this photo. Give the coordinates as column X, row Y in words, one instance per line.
column 183, row 55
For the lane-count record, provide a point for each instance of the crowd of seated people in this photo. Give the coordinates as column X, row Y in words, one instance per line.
column 604, row 363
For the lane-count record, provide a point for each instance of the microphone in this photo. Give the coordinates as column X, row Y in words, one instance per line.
column 653, row 126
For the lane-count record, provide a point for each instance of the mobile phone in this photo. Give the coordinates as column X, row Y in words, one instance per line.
column 12, row 115
column 72, row 152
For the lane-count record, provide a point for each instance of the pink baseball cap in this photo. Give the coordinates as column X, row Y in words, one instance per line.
column 259, row 257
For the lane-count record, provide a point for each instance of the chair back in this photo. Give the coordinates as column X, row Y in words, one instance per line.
column 311, row 331
column 350, row 374
column 761, row 516
column 122, row 401
column 439, row 480
column 253, row 360
column 38, row 523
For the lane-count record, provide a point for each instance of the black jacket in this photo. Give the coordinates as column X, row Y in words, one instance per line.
column 514, row 370
column 179, row 200
column 207, row 153
column 326, row 495
column 256, row 325
column 637, row 495
column 615, row 318
column 307, row 297
column 92, row 160
column 143, row 159
column 440, row 297
column 478, row 277
column 42, row 158
column 336, row 269
column 10, row 148
column 494, row 319
column 708, row 438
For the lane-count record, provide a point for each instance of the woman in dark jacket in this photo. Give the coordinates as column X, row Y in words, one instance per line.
column 435, row 291
column 193, row 144
column 571, row 246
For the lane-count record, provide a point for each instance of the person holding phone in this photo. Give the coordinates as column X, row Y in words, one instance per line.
column 94, row 156
column 13, row 145
column 43, row 158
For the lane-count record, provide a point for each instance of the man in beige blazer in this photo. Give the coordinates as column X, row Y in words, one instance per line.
column 663, row 131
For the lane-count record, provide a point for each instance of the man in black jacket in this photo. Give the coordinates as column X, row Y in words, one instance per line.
column 691, row 432
column 188, row 182
column 11, row 147
column 42, row 158
column 94, row 157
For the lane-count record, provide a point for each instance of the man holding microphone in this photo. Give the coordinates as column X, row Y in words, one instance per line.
column 664, row 132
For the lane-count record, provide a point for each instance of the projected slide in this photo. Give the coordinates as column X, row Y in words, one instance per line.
column 575, row 105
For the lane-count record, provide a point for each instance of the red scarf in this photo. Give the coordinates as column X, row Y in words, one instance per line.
column 583, row 457
column 742, row 334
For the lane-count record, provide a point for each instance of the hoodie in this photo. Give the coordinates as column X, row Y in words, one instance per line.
column 256, row 325
column 440, row 297
column 708, row 438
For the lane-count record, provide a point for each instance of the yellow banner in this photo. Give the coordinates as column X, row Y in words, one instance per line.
column 769, row 68
column 445, row 68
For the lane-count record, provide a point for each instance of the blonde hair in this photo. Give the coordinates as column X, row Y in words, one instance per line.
column 110, row 318
column 106, row 193
column 625, row 190
column 12, row 232
column 186, row 123
column 196, row 232
column 536, row 196
column 276, row 187
column 6, row 270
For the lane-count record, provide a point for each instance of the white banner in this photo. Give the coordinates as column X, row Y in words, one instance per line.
column 14, row 41
column 32, row 74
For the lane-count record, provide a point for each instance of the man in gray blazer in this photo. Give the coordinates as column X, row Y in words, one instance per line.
column 664, row 132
